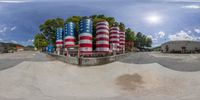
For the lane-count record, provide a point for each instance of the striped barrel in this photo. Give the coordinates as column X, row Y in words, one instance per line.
column 102, row 36
column 122, row 40
column 85, row 35
column 69, row 39
column 114, row 39
column 59, row 37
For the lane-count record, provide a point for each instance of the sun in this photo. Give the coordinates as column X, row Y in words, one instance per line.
column 153, row 19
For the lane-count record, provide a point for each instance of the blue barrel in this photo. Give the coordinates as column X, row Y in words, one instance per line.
column 59, row 37
column 69, row 29
column 59, row 34
column 85, row 36
column 69, row 39
column 50, row 48
column 85, row 26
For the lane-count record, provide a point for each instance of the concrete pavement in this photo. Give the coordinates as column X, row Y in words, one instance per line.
column 54, row 80
column 178, row 62
column 8, row 60
column 39, row 77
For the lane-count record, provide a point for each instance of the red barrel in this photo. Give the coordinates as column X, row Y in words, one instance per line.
column 59, row 38
column 85, row 35
column 69, row 39
column 114, row 39
column 122, row 40
column 102, row 36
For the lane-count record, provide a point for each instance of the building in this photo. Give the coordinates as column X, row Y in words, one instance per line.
column 19, row 48
column 3, row 48
column 10, row 47
column 181, row 47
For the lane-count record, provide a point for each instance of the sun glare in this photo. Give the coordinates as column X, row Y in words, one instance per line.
column 153, row 19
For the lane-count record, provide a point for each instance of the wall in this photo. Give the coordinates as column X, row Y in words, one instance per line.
column 100, row 60
column 177, row 46
column 89, row 61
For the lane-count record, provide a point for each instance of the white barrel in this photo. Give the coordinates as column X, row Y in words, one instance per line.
column 102, row 36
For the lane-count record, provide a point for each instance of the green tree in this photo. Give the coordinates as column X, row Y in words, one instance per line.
column 130, row 35
column 130, row 38
column 48, row 28
column 40, row 41
column 138, row 41
column 142, row 41
column 148, row 42
column 111, row 21
column 122, row 27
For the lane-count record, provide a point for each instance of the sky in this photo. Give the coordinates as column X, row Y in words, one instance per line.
column 161, row 20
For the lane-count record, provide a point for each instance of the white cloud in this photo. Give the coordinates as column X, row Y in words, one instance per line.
column 28, row 42
column 150, row 36
column 197, row 30
column 13, row 41
column 182, row 35
column 189, row 32
column 192, row 6
column 3, row 29
column 161, row 34
column 156, row 36
column 13, row 28
column 14, row 1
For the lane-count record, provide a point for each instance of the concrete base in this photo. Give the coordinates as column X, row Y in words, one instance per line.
column 89, row 61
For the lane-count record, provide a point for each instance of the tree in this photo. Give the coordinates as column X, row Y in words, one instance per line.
column 130, row 35
column 130, row 39
column 40, row 41
column 48, row 28
column 122, row 27
column 148, row 42
column 142, row 41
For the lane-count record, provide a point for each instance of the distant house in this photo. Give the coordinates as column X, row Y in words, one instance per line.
column 19, row 48
column 181, row 47
column 3, row 48
column 10, row 47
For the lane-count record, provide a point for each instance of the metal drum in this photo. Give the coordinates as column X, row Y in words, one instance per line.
column 85, row 36
column 69, row 39
column 102, row 36
column 50, row 48
column 59, row 37
column 122, row 40
column 114, row 39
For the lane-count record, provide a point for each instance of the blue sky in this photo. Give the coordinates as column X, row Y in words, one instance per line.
column 162, row 20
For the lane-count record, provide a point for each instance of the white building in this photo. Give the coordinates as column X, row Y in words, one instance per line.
column 181, row 47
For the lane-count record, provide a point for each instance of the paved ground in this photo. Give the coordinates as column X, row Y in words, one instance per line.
column 8, row 60
column 178, row 62
column 44, row 79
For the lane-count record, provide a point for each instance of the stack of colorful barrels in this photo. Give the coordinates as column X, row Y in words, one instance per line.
column 102, row 36
column 85, row 36
column 69, row 35
column 59, row 38
column 114, row 39
column 122, row 40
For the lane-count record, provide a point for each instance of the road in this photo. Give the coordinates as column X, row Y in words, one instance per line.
column 8, row 60
column 178, row 62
